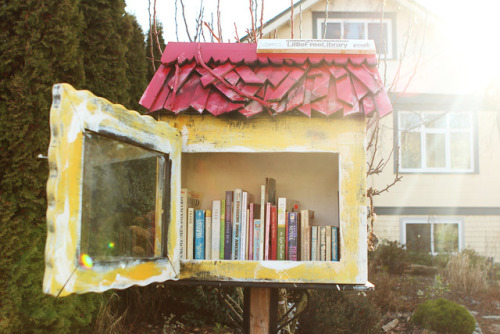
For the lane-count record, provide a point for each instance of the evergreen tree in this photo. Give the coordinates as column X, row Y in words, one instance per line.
column 39, row 47
column 136, row 62
column 104, row 49
column 152, row 51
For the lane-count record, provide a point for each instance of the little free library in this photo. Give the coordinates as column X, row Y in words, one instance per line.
column 252, row 171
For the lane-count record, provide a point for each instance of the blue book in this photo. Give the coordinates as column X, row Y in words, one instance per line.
column 335, row 243
column 199, row 235
column 293, row 254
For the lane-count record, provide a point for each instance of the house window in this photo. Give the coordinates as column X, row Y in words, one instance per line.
column 436, row 142
column 434, row 236
column 358, row 26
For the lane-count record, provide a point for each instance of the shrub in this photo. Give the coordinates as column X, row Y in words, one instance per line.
column 340, row 312
column 444, row 316
column 469, row 272
column 390, row 256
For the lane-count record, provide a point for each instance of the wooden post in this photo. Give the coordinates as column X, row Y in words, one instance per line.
column 261, row 306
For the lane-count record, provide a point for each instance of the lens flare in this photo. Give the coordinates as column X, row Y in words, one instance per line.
column 111, row 245
column 86, row 261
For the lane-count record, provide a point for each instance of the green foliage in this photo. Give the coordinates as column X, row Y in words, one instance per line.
column 444, row 316
column 390, row 256
column 105, row 49
column 346, row 312
column 137, row 65
column 42, row 44
column 153, row 50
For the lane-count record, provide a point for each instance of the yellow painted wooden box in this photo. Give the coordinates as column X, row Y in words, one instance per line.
column 318, row 161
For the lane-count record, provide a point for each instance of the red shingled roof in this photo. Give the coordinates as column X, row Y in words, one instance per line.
column 223, row 77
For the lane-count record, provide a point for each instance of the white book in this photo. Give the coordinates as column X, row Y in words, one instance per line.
column 183, row 225
column 190, row 234
column 314, row 243
column 282, row 209
column 208, row 235
column 237, row 195
column 216, row 230
column 243, row 226
column 328, row 244
column 262, row 222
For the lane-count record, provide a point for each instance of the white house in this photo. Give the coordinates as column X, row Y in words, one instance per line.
column 444, row 130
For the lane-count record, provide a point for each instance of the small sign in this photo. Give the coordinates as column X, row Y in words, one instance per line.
column 333, row 46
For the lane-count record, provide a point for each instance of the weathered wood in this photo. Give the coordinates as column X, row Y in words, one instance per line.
column 262, row 313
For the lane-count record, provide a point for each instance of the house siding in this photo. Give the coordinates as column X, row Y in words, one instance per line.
column 435, row 79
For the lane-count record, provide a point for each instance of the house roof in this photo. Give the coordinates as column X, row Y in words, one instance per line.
column 223, row 77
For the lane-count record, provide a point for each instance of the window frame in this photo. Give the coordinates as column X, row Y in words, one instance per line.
column 74, row 113
column 366, row 18
column 432, row 220
column 424, row 131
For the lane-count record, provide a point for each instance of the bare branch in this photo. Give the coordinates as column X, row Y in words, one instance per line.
column 300, row 21
column 236, row 32
column 254, row 36
column 326, row 16
column 212, row 32
column 219, row 26
column 151, row 37
column 156, row 30
column 261, row 18
column 176, row 25
column 185, row 22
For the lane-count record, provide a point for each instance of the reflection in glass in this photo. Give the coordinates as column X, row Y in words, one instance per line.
column 379, row 33
column 354, row 30
column 418, row 237
column 435, row 150
column 122, row 191
column 333, row 30
column 460, row 151
column 445, row 238
column 410, row 150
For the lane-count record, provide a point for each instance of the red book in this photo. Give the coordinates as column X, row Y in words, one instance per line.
column 274, row 232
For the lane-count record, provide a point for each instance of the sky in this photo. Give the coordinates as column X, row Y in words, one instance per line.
column 232, row 12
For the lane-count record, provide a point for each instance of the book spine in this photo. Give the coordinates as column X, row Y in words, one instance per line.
column 228, row 226
column 199, row 242
column 243, row 226
column 262, row 222
column 322, row 243
column 267, row 241
column 335, row 243
column 328, row 243
column 257, row 243
column 215, row 230
column 314, row 243
column 236, row 224
column 293, row 236
column 208, row 235
column 251, row 231
column 305, row 244
column 183, row 220
column 222, row 228
column 190, row 234
column 274, row 232
column 281, row 237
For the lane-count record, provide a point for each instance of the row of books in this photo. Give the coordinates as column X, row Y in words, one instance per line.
column 236, row 228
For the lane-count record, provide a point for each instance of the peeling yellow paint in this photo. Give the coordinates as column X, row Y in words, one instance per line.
column 284, row 133
column 72, row 113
